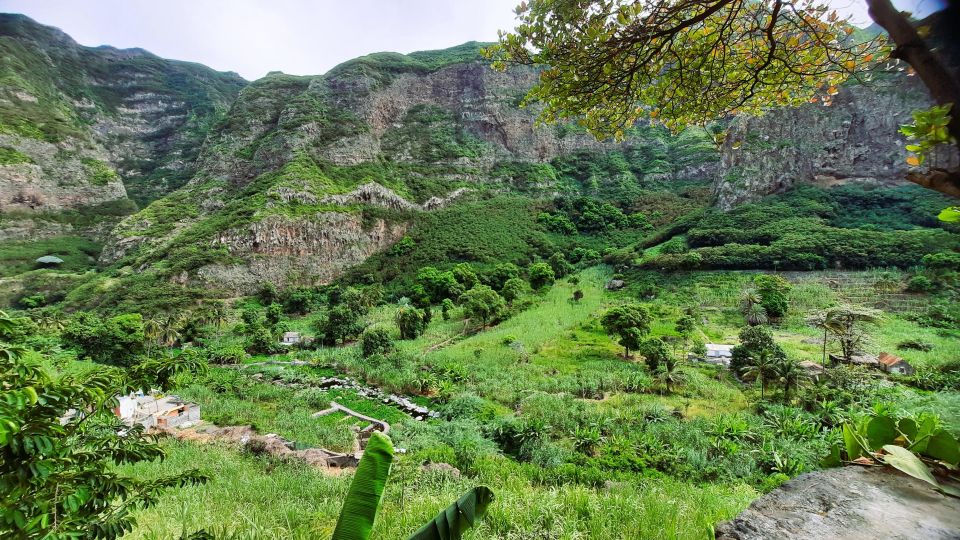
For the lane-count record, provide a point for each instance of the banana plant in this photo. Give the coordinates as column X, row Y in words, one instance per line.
column 363, row 500
column 908, row 444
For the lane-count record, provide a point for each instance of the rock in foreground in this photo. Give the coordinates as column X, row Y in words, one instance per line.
column 849, row 502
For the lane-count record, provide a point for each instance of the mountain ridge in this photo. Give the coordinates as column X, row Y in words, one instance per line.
column 255, row 186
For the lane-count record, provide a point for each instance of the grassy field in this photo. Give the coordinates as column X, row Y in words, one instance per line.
column 660, row 468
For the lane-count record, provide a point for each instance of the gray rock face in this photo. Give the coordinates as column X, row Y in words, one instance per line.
column 854, row 140
column 284, row 251
column 97, row 124
column 848, row 503
column 57, row 176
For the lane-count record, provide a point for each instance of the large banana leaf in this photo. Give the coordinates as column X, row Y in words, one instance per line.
column 360, row 508
column 451, row 523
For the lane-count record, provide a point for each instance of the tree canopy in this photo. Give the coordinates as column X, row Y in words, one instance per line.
column 612, row 63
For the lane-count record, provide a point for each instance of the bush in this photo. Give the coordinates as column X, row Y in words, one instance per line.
column 915, row 345
column 921, row 284
column 446, row 307
column 226, row 353
column 411, row 321
column 674, row 245
column 541, row 275
column 117, row 340
column 375, row 341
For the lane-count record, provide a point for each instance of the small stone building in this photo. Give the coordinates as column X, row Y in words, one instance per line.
column 290, row 338
column 859, row 359
column 894, row 364
column 812, row 369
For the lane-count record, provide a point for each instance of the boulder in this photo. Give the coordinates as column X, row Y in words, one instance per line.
column 616, row 284
column 848, row 503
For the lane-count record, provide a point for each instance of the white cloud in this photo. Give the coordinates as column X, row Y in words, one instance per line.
column 302, row 37
column 252, row 37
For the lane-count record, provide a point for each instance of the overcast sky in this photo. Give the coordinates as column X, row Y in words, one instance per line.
column 301, row 37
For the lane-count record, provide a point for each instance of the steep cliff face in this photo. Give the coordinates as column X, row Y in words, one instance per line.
column 283, row 179
column 280, row 250
column 81, row 127
column 854, row 140
column 298, row 160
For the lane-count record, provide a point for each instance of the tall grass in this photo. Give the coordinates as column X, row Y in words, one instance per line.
column 251, row 497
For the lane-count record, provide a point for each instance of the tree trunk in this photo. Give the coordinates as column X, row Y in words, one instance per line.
column 943, row 86
column 824, row 347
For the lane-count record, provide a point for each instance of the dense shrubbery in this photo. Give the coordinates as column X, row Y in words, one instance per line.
column 812, row 228
column 115, row 340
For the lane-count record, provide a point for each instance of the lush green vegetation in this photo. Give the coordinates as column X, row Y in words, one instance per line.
column 78, row 254
column 811, row 229
column 550, row 321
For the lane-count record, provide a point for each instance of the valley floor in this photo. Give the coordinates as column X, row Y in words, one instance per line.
column 574, row 440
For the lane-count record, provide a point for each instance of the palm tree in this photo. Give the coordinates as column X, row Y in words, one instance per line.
column 51, row 320
column 752, row 309
column 790, row 375
column 218, row 316
column 151, row 328
column 669, row 373
column 169, row 329
column 762, row 367
column 819, row 320
column 844, row 323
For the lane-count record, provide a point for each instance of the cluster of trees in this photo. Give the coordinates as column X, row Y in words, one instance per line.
column 758, row 357
column 938, row 272
column 630, row 324
column 589, row 215
column 345, row 310
column 483, row 296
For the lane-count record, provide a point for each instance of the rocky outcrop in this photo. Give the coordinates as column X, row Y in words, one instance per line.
column 89, row 125
column 373, row 194
column 285, row 251
column 53, row 177
column 848, row 502
column 855, row 139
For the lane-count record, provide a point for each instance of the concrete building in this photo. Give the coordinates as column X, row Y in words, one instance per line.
column 290, row 338
column 718, row 354
column 152, row 411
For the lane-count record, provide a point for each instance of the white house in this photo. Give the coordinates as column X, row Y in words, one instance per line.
column 290, row 338
column 718, row 354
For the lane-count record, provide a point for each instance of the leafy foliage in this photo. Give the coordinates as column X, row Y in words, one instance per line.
column 628, row 322
column 363, row 499
column 929, row 130
column 615, row 63
column 483, row 304
column 58, row 469
column 910, row 444
column 115, row 340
